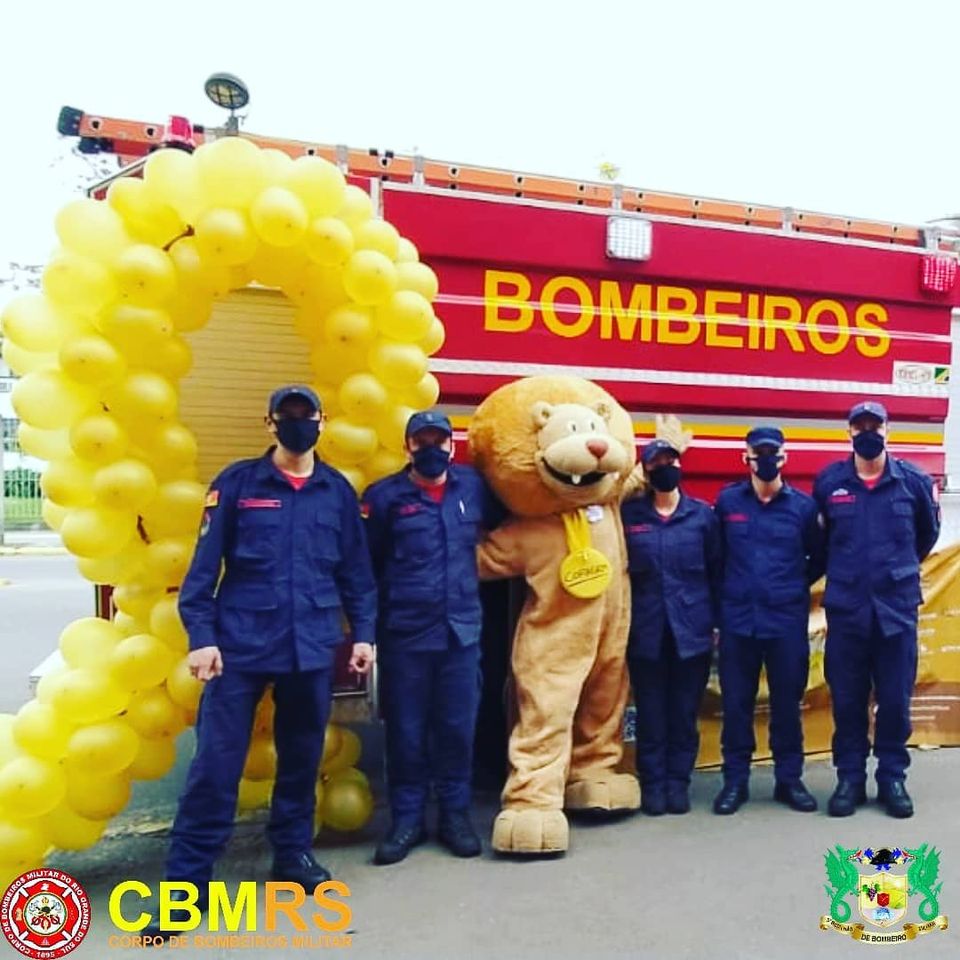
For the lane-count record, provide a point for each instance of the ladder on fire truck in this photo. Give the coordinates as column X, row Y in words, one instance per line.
column 133, row 140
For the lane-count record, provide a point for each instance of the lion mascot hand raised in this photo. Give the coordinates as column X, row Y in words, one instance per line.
column 558, row 452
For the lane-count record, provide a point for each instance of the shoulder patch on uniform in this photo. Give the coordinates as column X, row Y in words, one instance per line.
column 213, row 498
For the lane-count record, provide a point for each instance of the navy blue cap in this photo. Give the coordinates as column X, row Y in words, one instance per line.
column 293, row 390
column 761, row 436
column 429, row 418
column 657, row 446
column 870, row 407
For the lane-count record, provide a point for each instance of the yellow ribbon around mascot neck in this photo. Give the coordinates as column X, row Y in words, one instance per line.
column 585, row 571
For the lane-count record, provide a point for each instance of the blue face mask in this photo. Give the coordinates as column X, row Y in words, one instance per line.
column 297, row 435
column 869, row 444
column 431, row 461
column 768, row 467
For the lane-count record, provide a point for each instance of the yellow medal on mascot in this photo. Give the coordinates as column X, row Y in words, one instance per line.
column 584, row 571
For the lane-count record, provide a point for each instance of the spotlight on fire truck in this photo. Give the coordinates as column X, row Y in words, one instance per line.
column 629, row 238
column 229, row 92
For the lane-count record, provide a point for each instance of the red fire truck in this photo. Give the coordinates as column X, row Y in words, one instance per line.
column 727, row 314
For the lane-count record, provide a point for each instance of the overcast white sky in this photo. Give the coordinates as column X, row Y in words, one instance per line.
column 843, row 106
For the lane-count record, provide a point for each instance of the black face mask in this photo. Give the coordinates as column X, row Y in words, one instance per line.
column 431, row 461
column 768, row 467
column 665, row 478
column 297, row 435
column 869, row 444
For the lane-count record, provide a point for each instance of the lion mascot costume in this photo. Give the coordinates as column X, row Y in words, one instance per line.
column 559, row 452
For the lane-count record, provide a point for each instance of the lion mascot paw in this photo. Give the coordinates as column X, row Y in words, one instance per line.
column 559, row 451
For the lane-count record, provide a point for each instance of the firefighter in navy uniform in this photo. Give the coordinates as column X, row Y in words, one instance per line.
column 287, row 530
column 674, row 553
column 423, row 524
column 882, row 518
column 773, row 551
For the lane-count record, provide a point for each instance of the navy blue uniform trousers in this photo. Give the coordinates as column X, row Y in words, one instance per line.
column 208, row 804
column 667, row 693
column 787, row 661
column 858, row 658
column 429, row 701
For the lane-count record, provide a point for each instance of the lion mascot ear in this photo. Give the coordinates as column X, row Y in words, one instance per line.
column 541, row 412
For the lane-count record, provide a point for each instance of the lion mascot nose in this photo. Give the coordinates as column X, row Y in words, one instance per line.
column 598, row 447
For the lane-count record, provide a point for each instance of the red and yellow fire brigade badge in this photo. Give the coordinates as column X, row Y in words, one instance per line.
column 45, row 914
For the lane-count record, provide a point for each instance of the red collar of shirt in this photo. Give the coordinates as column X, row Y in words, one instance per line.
column 295, row 482
column 434, row 491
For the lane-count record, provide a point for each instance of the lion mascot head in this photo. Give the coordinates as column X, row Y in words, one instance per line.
column 552, row 444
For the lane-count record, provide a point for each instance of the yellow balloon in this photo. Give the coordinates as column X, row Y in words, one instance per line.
column 398, row 365
column 383, row 463
column 166, row 561
column 329, row 399
column 318, row 183
column 89, row 642
column 363, row 398
column 405, row 316
column 196, row 276
column 49, row 399
column 166, row 625
column 176, row 510
column 125, row 485
column 145, row 217
column 348, row 443
column 145, row 276
column 39, row 731
column 182, row 688
column 376, row 234
column 136, row 331
column 423, row 394
column 434, row 339
column 67, row 830
column 276, row 164
column 333, row 362
column 85, row 695
column 44, row 444
column 172, row 444
column 419, row 278
column 129, row 625
column 107, row 748
column 392, row 429
column 254, row 794
column 137, row 599
column 92, row 359
column 406, row 251
column 355, row 477
column 154, row 759
column 261, row 759
column 347, row 805
column 32, row 323
column 140, row 661
column 232, row 171
column 171, row 177
column 78, row 284
column 142, row 399
column 97, row 797
column 68, row 482
column 332, row 742
column 22, row 845
column 98, row 532
column 92, row 228
column 351, row 774
column 53, row 514
column 225, row 237
column 98, row 438
column 263, row 719
column 274, row 266
column 22, row 362
column 369, row 277
column 119, row 569
column 356, row 206
column 347, row 755
column 189, row 312
column 279, row 217
column 31, row 787
column 47, row 687
column 329, row 241
column 154, row 716
column 318, row 287
column 349, row 326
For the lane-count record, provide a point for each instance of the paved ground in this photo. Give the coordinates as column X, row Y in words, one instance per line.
column 699, row 886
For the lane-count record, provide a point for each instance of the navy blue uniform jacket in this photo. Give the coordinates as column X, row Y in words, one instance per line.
column 293, row 561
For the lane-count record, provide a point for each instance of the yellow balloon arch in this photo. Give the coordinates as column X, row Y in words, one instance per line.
column 100, row 353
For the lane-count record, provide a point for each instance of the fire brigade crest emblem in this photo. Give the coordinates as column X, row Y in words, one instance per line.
column 888, row 884
column 45, row 913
